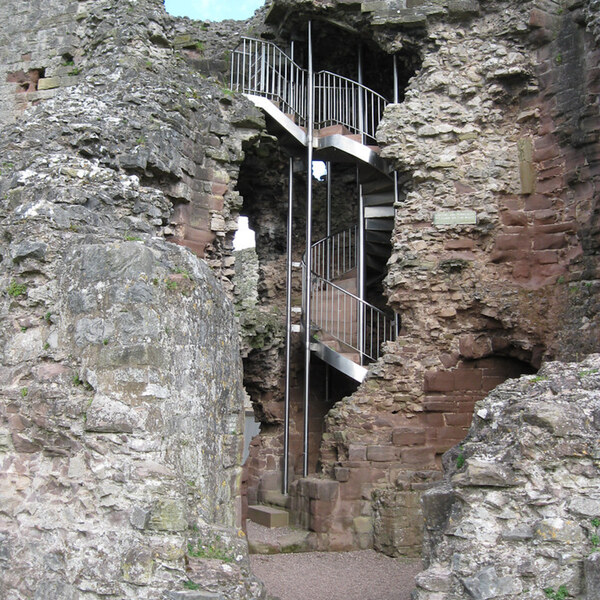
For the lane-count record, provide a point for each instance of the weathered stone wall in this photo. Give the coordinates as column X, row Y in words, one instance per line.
column 121, row 405
column 501, row 119
column 518, row 510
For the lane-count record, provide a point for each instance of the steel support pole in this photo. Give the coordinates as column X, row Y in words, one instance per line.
column 327, row 371
column 396, row 94
column 361, row 269
column 288, row 339
column 308, row 260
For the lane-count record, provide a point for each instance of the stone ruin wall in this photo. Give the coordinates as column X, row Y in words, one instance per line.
column 120, row 371
column 501, row 119
column 518, row 512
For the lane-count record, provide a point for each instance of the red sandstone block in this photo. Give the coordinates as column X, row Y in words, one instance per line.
column 468, row 379
column 539, row 19
column 342, row 474
column 552, row 270
column 326, row 490
column 321, row 508
column 544, row 216
column 418, row 457
column 452, row 434
column 219, row 189
column 439, row 381
column 544, row 141
column 408, row 436
column 514, row 218
column 432, row 419
column 546, row 257
column 489, row 383
column 546, row 153
column 538, row 202
column 467, row 406
column 550, row 186
column 437, row 405
column 381, row 453
column 460, row 244
column 521, row 270
column 549, row 241
column 550, row 173
column 357, row 452
column 458, row 419
column 512, row 242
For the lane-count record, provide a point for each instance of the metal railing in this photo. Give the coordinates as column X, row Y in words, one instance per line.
column 263, row 69
column 342, row 101
column 335, row 255
column 337, row 312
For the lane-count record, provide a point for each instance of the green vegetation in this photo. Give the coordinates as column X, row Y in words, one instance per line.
column 560, row 594
column 460, row 459
column 16, row 289
column 132, row 238
column 538, row 378
column 24, row 392
column 48, row 317
column 596, row 521
column 213, row 550
column 74, row 72
column 183, row 272
column 171, row 285
column 200, row 46
column 190, row 585
column 585, row 373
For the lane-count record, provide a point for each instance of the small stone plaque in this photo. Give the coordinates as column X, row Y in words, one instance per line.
column 455, row 217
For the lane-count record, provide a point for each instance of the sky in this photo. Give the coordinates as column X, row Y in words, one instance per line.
column 213, row 10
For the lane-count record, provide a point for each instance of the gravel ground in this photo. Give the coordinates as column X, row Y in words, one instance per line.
column 362, row 575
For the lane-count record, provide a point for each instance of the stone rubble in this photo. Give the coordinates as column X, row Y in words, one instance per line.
column 518, row 510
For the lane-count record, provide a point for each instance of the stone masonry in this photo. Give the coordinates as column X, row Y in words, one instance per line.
column 121, row 400
column 517, row 513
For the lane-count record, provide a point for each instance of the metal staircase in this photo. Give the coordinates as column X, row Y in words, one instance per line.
column 334, row 119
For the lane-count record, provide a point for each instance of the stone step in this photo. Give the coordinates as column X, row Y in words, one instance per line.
column 268, row 516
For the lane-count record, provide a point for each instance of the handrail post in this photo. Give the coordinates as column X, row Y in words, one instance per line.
column 308, row 276
column 360, row 292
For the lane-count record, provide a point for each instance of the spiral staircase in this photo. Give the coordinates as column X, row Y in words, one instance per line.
column 346, row 331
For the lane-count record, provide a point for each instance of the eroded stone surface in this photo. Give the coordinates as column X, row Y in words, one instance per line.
column 121, row 404
column 538, row 531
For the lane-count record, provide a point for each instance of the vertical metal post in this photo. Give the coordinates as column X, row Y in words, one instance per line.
column 361, row 99
column 308, row 276
column 361, row 269
column 328, row 269
column 396, row 94
column 288, row 339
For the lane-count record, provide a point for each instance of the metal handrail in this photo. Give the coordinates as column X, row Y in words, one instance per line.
column 335, row 255
column 343, row 101
column 336, row 311
column 262, row 68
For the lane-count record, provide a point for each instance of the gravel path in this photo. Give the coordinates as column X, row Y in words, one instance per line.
column 362, row 575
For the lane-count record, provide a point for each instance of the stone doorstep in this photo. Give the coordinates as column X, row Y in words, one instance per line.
column 268, row 516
